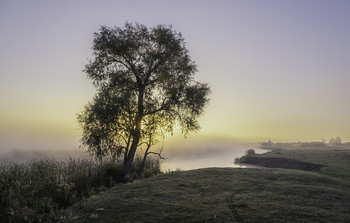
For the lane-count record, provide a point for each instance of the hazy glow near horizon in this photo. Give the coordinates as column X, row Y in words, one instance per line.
column 278, row 70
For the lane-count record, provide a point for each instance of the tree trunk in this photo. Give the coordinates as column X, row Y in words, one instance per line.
column 142, row 166
column 130, row 159
column 132, row 151
column 126, row 150
column 136, row 137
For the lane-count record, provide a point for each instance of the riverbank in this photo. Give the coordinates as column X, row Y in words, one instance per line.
column 332, row 161
column 221, row 195
column 230, row 194
column 283, row 163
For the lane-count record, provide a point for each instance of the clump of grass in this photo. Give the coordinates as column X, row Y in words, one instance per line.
column 36, row 191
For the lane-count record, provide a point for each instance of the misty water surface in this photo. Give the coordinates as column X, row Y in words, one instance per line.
column 194, row 159
column 185, row 159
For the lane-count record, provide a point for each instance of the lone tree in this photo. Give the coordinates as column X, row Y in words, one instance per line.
column 145, row 85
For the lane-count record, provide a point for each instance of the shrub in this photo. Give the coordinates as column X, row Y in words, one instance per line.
column 239, row 160
column 111, row 174
column 151, row 168
column 250, row 152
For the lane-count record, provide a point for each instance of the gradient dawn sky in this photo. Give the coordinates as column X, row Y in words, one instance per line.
column 278, row 70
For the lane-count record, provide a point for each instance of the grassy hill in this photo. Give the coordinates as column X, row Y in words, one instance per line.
column 227, row 195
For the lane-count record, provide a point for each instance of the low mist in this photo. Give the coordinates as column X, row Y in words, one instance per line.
column 185, row 156
column 26, row 155
column 194, row 158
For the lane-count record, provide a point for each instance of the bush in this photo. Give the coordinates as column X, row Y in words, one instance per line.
column 151, row 168
column 250, row 152
column 111, row 174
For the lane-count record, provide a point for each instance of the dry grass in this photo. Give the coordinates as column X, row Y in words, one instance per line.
column 221, row 195
column 37, row 191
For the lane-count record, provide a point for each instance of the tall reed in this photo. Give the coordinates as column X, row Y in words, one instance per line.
column 37, row 190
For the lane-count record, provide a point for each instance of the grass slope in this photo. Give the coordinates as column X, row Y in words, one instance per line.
column 336, row 159
column 221, row 195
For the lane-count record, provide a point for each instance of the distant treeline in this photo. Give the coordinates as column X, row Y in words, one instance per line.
column 332, row 142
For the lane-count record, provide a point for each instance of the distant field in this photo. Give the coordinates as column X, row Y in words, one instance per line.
column 336, row 159
column 231, row 194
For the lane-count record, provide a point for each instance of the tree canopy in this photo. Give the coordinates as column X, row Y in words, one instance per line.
column 145, row 85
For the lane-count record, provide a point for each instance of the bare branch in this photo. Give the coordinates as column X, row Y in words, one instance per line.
column 142, row 143
column 160, row 156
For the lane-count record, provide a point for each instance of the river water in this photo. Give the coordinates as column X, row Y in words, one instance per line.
column 187, row 160
column 177, row 159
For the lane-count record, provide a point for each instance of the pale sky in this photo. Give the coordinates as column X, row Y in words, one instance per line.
column 278, row 70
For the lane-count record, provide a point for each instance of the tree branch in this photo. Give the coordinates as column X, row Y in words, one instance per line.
column 160, row 156
column 132, row 68
column 162, row 107
column 127, row 148
column 140, row 144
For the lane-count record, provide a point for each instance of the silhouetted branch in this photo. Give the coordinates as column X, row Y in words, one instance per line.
column 162, row 107
column 159, row 154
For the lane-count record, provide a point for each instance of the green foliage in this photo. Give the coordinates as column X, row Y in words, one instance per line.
column 36, row 191
column 145, row 85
